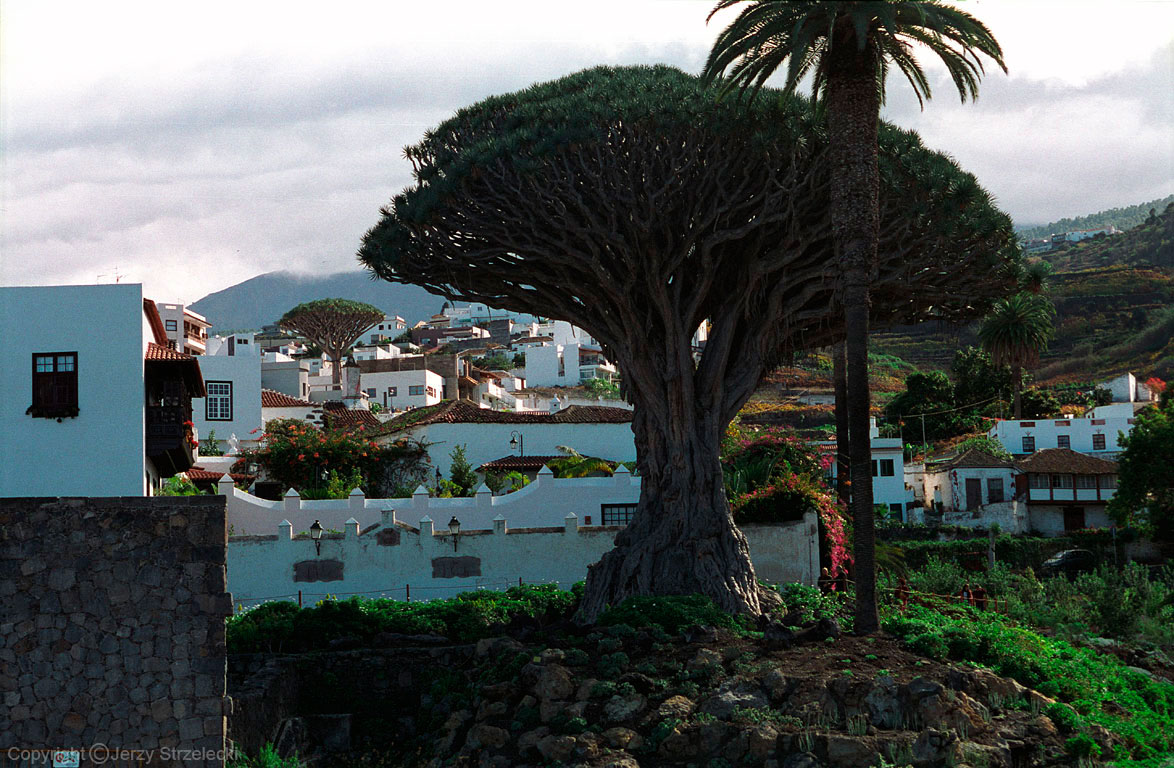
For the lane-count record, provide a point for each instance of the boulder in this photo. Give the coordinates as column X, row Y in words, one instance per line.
column 555, row 747
column 494, row 646
column 850, row 751
column 483, row 736
column 884, row 703
column 735, row 694
column 704, row 658
column 679, row 707
column 622, row 709
column 622, row 738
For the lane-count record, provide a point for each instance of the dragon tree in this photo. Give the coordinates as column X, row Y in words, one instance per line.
column 333, row 324
column 632, row 203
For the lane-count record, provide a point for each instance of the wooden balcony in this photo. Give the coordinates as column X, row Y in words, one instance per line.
column 168, row 442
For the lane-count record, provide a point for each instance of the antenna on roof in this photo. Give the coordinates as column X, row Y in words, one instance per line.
column 117, row 275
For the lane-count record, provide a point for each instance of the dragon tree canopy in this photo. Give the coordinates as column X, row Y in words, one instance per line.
column 633, row 203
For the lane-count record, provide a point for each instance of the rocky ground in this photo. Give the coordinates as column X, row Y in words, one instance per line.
column 809, row 698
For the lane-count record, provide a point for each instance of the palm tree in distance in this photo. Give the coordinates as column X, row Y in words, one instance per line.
column 848, row 48
column 1017, row 329
column 1034, row 277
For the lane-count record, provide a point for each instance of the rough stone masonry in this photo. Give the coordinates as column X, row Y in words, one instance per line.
column 112, row 628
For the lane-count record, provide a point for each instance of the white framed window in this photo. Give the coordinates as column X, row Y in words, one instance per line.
column 416, row 389
column 171, row 325
column 617, row 514
column 218, row 404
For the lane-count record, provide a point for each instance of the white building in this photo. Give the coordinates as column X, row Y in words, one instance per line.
column 233, row 403
column 1067, row 491
column 569, row 365
column 401, row 390
column 278, row 405
column 90, row 416
column 387, row 328
column 888, row 471
column 1126, row 388
column 187, row 330
column 284, row 374
column 234, row 344
column 1095, row 434
column 487, row 434
column 969, row 481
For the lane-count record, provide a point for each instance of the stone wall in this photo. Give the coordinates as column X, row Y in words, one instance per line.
column 112, row 633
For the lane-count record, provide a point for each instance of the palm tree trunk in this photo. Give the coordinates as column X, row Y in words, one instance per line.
column 1017, row 373
column 840, row 382
column 853, row 109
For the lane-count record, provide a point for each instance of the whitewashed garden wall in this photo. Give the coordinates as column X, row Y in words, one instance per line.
column 392, row 559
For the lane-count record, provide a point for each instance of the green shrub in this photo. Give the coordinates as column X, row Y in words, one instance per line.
column 672, row 613
column 809, row 602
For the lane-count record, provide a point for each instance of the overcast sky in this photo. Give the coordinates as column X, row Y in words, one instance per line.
column 192, row 146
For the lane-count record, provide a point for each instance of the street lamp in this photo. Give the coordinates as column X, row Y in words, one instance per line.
column 454, row 527
column 518, row 442
column 438, row 481
column 316, row 535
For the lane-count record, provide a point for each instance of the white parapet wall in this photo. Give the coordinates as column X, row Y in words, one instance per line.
column 390, row 558
column 543, row 502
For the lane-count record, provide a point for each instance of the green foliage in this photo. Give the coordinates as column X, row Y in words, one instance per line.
column 810, row 603
column 575, row 464
column 672, row 613
column 1142, row 710
column 608, row 390
column 209, row 446
column 1145, row 471
column 283, row 627
column 931, row 394
column 266, row 758
column 987, row 445
column 506, row 483
column 498, row 361
column 1038, row 404
column 1017, row 329
column 977, row 380
column 337, row 486
column 461, row 471
column 298, row 455
column 178, row 486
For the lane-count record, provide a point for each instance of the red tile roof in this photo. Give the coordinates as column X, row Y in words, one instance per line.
column 190, row 369
column 160, row 352
column 273, row 399
column 1066, row 461
column 518, row 463
column 338, row 416
column 465, row 412
column 199, row 474
column 972, row 458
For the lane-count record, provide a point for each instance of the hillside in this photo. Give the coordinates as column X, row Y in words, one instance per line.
column 1114, row 302
column 264, row 298
column 1122, row 218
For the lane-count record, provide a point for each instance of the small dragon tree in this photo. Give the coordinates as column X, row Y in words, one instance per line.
column 633, row 204
column 332, row 324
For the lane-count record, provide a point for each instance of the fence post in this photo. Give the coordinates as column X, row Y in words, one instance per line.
column 284, row 532
column 293, row 499
column 571, row 523
column 357, row 499
column 351, row 527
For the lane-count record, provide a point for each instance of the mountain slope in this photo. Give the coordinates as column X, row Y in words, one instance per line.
column 1121, row 218
column 265, row 298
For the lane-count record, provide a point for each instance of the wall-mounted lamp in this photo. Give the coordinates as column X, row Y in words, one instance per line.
column 316, row 535
column 518, row 442
column 454, row 527
column 438, row 479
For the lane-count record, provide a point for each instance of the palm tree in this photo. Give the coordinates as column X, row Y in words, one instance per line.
column 1017, row 329
column 1034, row 277
column 848, row 48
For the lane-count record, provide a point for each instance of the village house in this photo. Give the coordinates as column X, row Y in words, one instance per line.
column 82, row 418
column 1067, row 490
column 1095, row 434
column 888, row 471
column 488, row 435
column 187, row 331
column 975, row 489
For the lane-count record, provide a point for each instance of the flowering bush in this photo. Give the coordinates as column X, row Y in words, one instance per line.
column 772, row 475
column 299, row 455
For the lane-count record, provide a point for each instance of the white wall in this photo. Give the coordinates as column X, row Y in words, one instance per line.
column 1047, row 431
column 486, row 442
column 1049, row 520
column 949, row 487
column 552, row 365
column 244, row 371
column 290, row 377
column 101, row 451
column 887, row 490
column 1012, row 517
column 403, row 381
column 543, row 502
column 262, row 567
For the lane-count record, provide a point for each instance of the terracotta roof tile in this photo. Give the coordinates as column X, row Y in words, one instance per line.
column 1064, row 460
column 465, row 412
column 199, row 474
column 518, row 463
column 972, row 458
column 160, row 352
column 273, row 399
column 338, row 416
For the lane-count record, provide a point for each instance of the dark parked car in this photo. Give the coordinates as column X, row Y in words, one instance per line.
column 1069, row 562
